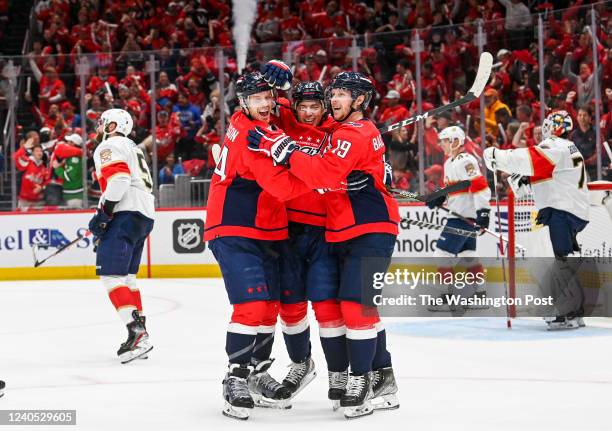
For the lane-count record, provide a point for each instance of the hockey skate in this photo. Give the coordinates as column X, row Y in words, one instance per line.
column 137, row 344
column 337, row 386
column 480, row 297
column 384, row 390
column 356, row 399
column 238, row 400
column 299, row 375
column 561, row 322
column 143, row 320
column 2, row 385
column 266, row 391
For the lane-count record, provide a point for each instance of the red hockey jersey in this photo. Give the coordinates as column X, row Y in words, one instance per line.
column 247, row 192
column 352, row 146
column 308, row 208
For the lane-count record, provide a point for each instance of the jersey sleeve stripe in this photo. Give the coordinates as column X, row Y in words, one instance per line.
column 542, row 166
column 111, row 170
column 478, row 184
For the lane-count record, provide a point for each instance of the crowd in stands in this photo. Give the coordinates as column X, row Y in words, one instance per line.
column 317, row 38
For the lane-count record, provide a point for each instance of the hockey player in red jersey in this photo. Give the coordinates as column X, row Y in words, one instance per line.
column 309, row 272
column 246, row 223
column 361, row 225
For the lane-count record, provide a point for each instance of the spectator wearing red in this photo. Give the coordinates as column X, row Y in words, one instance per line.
column 434, row 87
column 34, row 178
column 167, row 134
column 394, row 110
column 403, row 82
column 98, row 82
column 433, row 178
column 166, row 91
column 52, row 89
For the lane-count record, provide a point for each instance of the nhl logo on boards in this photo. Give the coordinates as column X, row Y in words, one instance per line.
column 188, row 236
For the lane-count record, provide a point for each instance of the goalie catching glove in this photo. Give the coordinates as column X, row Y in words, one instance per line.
column 277, row 74
column 275, row 144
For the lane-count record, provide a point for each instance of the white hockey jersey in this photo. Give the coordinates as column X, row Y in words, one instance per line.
column 557, row 174
column 118, row 159
column 464, row 166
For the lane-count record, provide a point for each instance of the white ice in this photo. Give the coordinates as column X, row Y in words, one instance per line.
column 58, row 341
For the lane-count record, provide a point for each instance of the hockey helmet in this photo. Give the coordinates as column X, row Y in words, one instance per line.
column 249, row 84
column 120, row 117
column 356, row 83
column 452, row 133
column 558, row 123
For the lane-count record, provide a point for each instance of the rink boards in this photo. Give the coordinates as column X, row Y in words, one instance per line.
column 176, row 249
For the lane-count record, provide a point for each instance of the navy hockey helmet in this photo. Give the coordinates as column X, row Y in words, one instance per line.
column 249, row 84
column 308, row 90
column 357, row 83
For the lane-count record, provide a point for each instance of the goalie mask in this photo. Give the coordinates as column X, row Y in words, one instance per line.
column 558, row 123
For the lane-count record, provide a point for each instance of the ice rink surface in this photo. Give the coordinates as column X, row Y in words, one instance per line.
column 58, row 341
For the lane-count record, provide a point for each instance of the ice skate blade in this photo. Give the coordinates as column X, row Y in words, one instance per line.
column 365, row 409
column 267, row 403
column 128, row 357
column 335, row 404
column 385, row 402
column 563, row 326
column 309, row 378
column 240, row 413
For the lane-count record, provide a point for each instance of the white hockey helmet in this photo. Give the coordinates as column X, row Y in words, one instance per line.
column 120, row 117
column 451, row 133
column 557, row 123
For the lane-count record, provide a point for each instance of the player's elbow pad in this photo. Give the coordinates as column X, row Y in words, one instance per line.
column 117, row 187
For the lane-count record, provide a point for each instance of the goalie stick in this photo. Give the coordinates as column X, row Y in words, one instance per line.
column 456, row 231
column 460, row 185
column 482, row 77
column 37, row 262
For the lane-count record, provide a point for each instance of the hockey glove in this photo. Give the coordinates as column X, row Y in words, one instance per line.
column 277, row 74
column 356, row 181
column 99, row 222
column 489, row 158
column 482, row 218
column 275, row 144
column 388, row 175
column 437, row 202
column 520, row 185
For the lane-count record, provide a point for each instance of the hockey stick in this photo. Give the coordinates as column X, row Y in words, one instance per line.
column 37, row 262
column 608, row 151
column 501, row 248
column 456, row 231
column 460, row 185
column 482, row 77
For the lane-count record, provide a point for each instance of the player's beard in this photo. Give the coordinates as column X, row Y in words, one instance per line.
column 99, row 137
